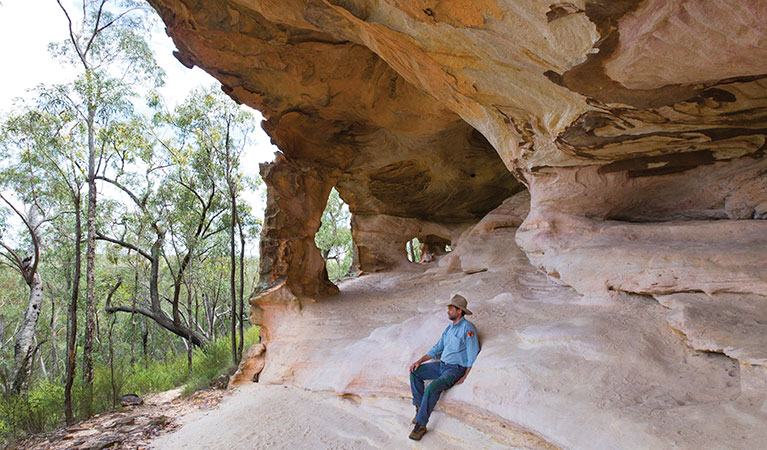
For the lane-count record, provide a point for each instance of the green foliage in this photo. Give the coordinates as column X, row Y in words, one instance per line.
column 120, row 41
column 334, row 237
column 215, row 360
column 159, row 178
column 42, row 408
column 413, row 248
column 37, row 411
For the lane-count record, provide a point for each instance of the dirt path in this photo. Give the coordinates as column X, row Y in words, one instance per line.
column 131, row 428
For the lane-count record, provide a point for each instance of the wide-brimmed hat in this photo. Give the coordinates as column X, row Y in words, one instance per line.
column 459, row 302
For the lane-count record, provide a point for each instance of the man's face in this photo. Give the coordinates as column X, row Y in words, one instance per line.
column 453, row 312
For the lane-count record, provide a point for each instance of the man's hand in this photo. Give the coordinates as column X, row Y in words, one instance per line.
column 417, row 364
column 460, row 380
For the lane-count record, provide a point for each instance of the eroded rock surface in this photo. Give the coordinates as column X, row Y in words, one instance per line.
column 638, row 129
column 556, row 369
column 608, row 110
column 250, row 367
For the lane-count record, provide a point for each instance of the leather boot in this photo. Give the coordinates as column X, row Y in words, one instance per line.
column 417, row 432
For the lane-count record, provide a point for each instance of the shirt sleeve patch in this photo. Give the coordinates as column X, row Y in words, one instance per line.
column 470, row 334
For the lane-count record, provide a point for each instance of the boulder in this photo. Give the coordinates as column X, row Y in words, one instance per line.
column 131, row 400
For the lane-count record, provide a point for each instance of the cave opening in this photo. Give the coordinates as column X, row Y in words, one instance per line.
column 334, row 238
column 413, row 248
column 427, row 248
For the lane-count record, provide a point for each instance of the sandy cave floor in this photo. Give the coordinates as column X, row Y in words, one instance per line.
column 281, row 417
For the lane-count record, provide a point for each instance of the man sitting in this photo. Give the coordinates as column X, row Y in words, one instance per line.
column 456, row 349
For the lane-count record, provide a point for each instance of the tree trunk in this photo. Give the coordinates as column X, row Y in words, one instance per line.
column 54, row 326
column 233, row 281
column 24, row 347
column 72, row 317
column 242, row 289
column 189, row 323
column 232, row 251
column 90, row 267
column 112, row 362
column 154, row 273
column 145, row 341
column 133, row 315
column 41, row 360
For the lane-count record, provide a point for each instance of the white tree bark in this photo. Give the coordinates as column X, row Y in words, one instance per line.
column 24, row 347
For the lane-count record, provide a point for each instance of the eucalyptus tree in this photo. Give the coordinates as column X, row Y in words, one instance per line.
column 27, row 265
column 107, row 48
column 222, row 129
column 196, row 208
column 145, row 222
column 24, row 138
column 43, row 164
column 334, row 238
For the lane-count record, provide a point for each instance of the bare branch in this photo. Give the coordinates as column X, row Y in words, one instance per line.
column 123, row 14
column 205, row 233
column 190, row 189
column 95, row 26
column 61, row 172
column 51, row 219
column 32, row 182
column 15, row 261
column 32, row 231
column 214, row 232
column 120, row 186
column 72, row 35
column 112, row 292
column 122, row 243
column 130, row 309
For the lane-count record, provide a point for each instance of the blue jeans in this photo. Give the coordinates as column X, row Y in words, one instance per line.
column 444, row 376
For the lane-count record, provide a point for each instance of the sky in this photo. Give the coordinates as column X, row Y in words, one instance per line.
column 28, row 26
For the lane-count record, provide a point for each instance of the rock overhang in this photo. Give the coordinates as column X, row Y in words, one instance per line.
column 430, row 114
column 557, row 85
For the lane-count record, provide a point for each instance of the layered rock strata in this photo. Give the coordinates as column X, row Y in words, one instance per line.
column 408, row 106
column 334, row 106
column 639, row 129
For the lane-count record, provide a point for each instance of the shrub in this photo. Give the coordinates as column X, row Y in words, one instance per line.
column 38, row 410
column 42, row 408
column 215, row 360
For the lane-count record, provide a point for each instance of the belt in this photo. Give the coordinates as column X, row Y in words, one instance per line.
column 449, row 364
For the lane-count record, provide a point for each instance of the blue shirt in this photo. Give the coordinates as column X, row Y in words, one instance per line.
column 458, row 345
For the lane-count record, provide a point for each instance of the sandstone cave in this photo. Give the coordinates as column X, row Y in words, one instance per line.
column 597, row 168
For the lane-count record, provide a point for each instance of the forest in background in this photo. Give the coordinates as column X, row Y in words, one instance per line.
column 123, row 227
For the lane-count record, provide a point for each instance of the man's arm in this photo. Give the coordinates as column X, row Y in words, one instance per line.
column 472, row 350
column 434, row 353
column 416, row 364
